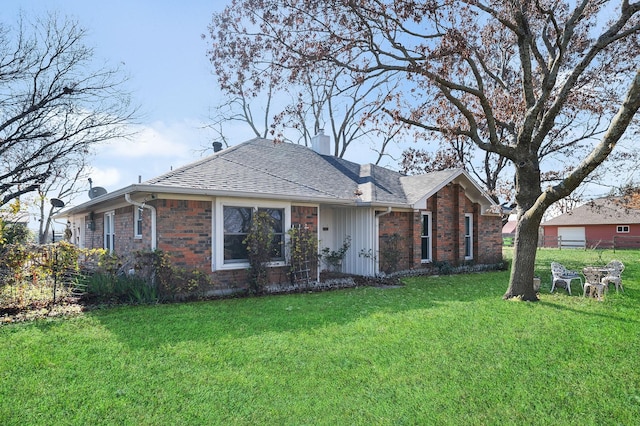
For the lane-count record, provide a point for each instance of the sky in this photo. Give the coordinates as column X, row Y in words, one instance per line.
column 159, row 46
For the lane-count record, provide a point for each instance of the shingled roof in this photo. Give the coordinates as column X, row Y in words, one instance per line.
column 602, row 211
column 263, row 169
column 260, row 166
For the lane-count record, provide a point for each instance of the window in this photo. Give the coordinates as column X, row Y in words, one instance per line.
column 237, row 224
column 138, row 221
column 426, row 238
column 109, row 231
column 623, row 229
column 468, row 236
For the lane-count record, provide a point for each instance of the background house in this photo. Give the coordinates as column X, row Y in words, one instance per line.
column 605, row 222
column 509, row 232
column 199, row 213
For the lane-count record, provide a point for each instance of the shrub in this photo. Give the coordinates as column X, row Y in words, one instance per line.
column 260, row 249
column 391, row 253
column 303, row 253
column 333, row 258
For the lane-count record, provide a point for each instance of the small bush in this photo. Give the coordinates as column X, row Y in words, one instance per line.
column 104, row 288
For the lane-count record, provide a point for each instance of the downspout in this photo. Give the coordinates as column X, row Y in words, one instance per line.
column 384, row 213
column 377, row 238
column 152, row 209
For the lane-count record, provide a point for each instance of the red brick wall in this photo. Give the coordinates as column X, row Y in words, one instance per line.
column 488, row 239
column 305, row 215
column 124, row 239
column 448, row 208
column 402, row 224
column 185, row 232
column 446, row 225
column 94, row 238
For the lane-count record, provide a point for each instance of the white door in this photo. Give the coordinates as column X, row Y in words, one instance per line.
column 571, row 237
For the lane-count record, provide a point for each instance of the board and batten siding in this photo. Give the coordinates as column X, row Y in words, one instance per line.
column 357, row 223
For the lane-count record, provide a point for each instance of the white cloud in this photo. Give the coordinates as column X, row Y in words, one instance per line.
column 159, row 139
column 155, row 149
column 108, row 176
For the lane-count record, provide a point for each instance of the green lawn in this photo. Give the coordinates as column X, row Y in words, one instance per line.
column 441, row 350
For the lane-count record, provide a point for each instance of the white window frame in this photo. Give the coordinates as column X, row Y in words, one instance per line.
column 219, row 229
column 429, row 238
column 109, row 230
column 622, row 229
column 468, row 236
column 137, row 222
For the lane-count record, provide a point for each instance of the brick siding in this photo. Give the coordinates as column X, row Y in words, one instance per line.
column 184, row 232
column 448, row 208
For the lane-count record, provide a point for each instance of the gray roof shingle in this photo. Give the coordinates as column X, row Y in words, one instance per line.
column 260, row 166
column 263, row 169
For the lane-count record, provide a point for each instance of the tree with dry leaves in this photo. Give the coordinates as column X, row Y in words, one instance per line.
column 55, row 102
column 517, row 79
column 293, row 104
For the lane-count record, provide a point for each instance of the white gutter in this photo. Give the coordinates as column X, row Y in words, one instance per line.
column 384, row 213
column 152, row 209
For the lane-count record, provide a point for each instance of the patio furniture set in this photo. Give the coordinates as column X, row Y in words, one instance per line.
column 596, row 278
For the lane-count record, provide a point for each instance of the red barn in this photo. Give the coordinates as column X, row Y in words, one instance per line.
column 607, row 222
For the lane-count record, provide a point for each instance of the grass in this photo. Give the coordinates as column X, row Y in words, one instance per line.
column 440, row 350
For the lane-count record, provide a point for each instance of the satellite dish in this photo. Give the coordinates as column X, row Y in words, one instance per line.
column 96, row 192
column 57, row 203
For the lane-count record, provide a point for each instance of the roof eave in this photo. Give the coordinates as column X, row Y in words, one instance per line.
column 480, row 194
column 155, row 189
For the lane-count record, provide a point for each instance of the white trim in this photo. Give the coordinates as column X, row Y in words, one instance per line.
column 110, row 217
column 473, row 191
column 152, row 209
column 620, row 229
column 78, row 229
column 468, row 237
column 218, row 237
column 428, row 215
column 137, row 219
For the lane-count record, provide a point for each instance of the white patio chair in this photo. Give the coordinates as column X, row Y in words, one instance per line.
column 614, row 272
column 560, row 274
column 593, row 287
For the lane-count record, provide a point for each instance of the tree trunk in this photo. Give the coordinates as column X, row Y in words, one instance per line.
column 524, row 260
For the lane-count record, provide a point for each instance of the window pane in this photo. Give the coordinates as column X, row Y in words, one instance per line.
column 237, row 225
column 426, row 239
column 237, row 220
column 425, row 226
column 276, row 248
column 234, row 248
column 139, row 221
column 425, row 248
column 277, row 215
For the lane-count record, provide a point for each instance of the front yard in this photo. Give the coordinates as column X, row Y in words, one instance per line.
column 439, row 350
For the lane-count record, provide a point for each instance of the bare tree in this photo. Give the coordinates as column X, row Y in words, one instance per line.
column 517, row 79
column 54, row 102
column 65, row 183
column 310, row 98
